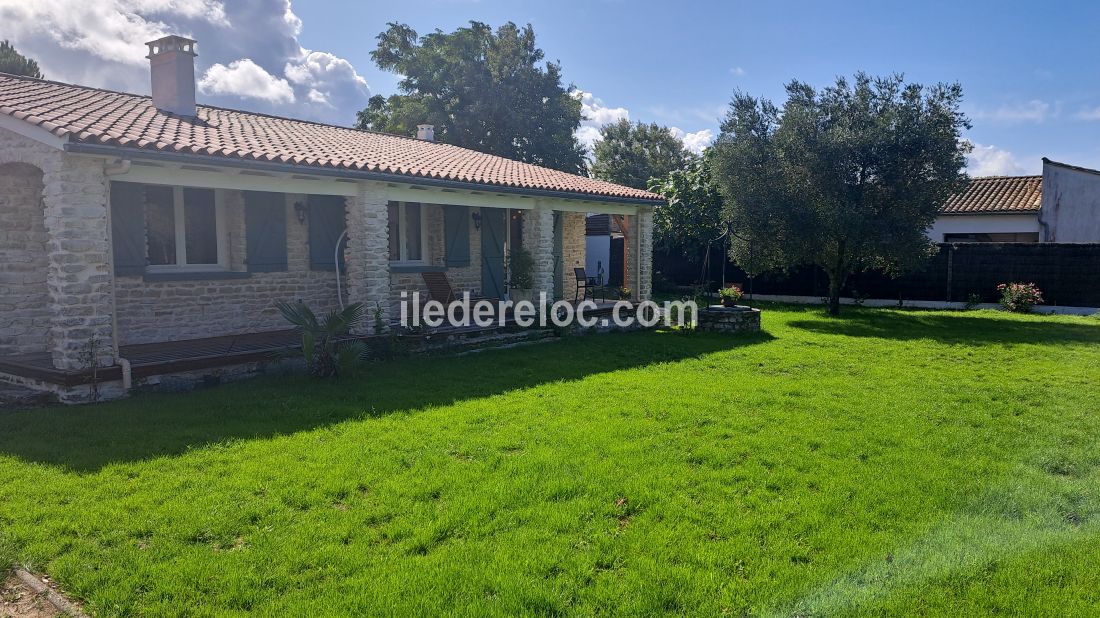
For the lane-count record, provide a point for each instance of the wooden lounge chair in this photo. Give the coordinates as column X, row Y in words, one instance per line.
column 439, row 288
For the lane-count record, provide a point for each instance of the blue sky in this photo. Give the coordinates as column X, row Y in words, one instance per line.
column 1029, row 72
column 1031, row 76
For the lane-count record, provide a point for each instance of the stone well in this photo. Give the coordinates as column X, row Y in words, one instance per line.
column 719, row 319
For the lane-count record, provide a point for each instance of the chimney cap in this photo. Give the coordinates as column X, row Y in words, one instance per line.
column 172, row 42
column 425, row 132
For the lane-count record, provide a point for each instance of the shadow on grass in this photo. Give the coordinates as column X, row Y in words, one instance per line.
column 85, row 438
column 950, row 327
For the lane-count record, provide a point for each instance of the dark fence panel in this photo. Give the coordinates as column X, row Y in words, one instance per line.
column 1068, row 274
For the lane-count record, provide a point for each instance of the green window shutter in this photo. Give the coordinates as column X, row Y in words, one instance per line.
column 456, row 233
column 128, row 228
column 265, row 231
column 326, row 223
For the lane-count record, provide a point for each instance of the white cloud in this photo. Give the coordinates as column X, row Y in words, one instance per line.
column 738, row 71
column 595, row 115
column 993, row 161
column 696, row 142
column 244, row 78
column 1031, row 111
column 1088, row 114
column 102, row 43
column 330, row 80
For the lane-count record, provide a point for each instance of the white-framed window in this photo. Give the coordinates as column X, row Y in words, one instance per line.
column 408, row 234
column 184, row 229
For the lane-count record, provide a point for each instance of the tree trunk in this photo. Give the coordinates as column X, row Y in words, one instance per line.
column 837, row 277
column 835, row 284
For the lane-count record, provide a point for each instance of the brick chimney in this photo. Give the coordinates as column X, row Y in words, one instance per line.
column 425, row 132
column 172, row 69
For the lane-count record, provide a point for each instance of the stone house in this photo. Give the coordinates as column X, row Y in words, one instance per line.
column 131, row 221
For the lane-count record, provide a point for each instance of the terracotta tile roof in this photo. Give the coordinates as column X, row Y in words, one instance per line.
column 92, row 116
column 997, row 195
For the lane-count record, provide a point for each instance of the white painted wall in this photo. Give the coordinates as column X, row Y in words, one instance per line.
column 597, row 251
column 982, row 224
column 1071, row 204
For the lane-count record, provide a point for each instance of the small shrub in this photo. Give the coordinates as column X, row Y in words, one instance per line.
column 661, row 283
column 379, row 318
column 623, row 292
column 973, row 299
column 1019, row 297
column 730, row 294
column 521, row 269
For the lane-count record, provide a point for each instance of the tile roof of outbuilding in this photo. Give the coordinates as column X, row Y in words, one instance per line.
column 997, row 195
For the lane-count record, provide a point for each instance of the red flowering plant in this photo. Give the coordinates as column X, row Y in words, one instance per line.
column 730, row 294
column 1019, row 297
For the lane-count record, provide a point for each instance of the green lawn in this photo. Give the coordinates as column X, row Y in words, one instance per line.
column 882, row 463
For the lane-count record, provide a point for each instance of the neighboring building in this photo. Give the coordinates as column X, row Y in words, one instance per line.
column 1071, row 203
column 130, row 220
column 1062, row 205
column 992, row 209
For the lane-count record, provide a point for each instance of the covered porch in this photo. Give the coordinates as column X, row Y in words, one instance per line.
column 177, row 268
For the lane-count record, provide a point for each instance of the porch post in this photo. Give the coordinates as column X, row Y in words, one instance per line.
column 639, row 254
column 79, row 280
column 538, row 236
column 367, row 253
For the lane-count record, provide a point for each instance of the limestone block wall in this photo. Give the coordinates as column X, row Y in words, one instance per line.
column 75, row 220
column 367, row 253
column 644, row 228
column 639, row 246
column 538, row 238
column 151, row 310
column 573, row 244
column 78, row 277
column 24, row 310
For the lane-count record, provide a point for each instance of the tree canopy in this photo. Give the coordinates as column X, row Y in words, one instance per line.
column 693, row 216
column 848, row 178
column 632, row 153
column 11, row 61
column 484, row 90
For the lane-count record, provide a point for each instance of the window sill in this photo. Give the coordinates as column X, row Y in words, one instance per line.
column 195, row 275
column 397, row 267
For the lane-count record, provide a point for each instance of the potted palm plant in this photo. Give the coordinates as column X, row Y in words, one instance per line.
column 327, row 345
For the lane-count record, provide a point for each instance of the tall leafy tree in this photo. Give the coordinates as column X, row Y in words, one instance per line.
column 15, row 63
column 485, row 90
column 632, row 153
column 848, row 178
column 692, row 216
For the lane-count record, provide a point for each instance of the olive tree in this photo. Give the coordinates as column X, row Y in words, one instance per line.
column 847, row 178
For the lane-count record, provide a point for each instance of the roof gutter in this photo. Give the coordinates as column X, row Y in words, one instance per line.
column 990, row 212
column 271, row 166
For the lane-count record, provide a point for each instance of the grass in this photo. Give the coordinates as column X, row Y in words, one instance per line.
column 886, row 462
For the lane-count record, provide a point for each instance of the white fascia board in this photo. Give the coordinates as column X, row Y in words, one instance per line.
column 491, row 199
column 33, row 132
column 211, row 177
